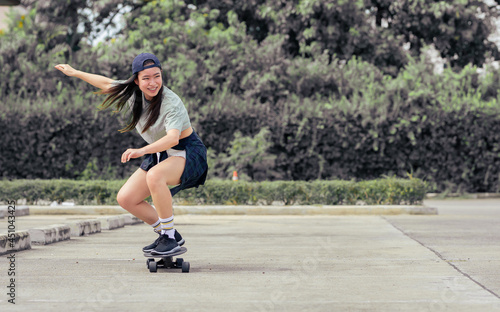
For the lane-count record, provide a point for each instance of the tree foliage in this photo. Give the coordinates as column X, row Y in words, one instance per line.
column 374, row 30
column 298, row 90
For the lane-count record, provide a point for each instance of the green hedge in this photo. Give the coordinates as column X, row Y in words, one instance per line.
column 82, row 192
column 435, row 127
column 444, row 128
column 388, row 191
column 64, row 143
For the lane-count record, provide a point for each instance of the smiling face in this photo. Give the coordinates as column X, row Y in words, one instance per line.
column 150, row 82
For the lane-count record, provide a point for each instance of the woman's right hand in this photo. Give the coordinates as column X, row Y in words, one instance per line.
column 97, row 81
column 66, row 69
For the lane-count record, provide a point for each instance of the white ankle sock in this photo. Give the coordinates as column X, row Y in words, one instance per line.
column 169, row 233
column 156, row 226
column 167, row 226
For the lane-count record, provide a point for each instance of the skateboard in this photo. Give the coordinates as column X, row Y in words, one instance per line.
column 167, row 261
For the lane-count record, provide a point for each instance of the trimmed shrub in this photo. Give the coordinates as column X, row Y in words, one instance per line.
column 388, row 191
column 69, row 144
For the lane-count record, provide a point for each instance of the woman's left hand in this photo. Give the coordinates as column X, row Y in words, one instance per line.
column 132, row 153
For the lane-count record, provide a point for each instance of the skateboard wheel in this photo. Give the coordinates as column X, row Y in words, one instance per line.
column 148, row 261
column 153, row 267
column 178, row 262
column 185, row 267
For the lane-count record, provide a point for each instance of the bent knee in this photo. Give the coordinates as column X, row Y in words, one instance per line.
column 127, row 198
column 155, row 179
column 122, row 198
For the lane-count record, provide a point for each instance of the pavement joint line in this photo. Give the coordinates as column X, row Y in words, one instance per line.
column 442, row 258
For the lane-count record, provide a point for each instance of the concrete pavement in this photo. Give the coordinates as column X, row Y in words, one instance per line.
column 102, row 217
column 465, row 235
column 445, row 262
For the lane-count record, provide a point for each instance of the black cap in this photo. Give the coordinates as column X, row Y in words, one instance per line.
column 138, row 63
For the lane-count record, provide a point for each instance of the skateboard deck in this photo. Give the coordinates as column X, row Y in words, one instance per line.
column 167, row 261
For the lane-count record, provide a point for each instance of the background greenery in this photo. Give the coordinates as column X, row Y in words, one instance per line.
column 278, row 90
column 387, row 191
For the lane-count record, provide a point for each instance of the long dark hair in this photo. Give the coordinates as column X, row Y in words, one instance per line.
column 118, row 96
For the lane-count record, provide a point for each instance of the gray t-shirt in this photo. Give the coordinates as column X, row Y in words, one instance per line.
column 173, row 115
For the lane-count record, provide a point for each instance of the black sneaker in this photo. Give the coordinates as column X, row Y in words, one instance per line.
column 178, row 238
column 166, row 245
column 152, row 246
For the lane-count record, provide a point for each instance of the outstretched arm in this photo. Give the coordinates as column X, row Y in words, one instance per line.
column 98, row 81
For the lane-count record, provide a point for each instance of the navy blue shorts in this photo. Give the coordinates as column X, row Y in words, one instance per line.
column 195, row 171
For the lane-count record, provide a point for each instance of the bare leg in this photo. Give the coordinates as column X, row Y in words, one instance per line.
column 168, row 172
column 132, row 197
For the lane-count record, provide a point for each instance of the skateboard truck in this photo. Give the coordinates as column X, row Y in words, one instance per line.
column 167, row 262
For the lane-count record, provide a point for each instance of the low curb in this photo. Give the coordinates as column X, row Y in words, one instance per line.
column 15, row 242
column 50, row 234
column 130, row 219
column 77, row 210
column 19, row 211
column 465, row 196
column 248, row 210
column 24, row 240
column 111, row 223
column 306, row 210
column 85, row 228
